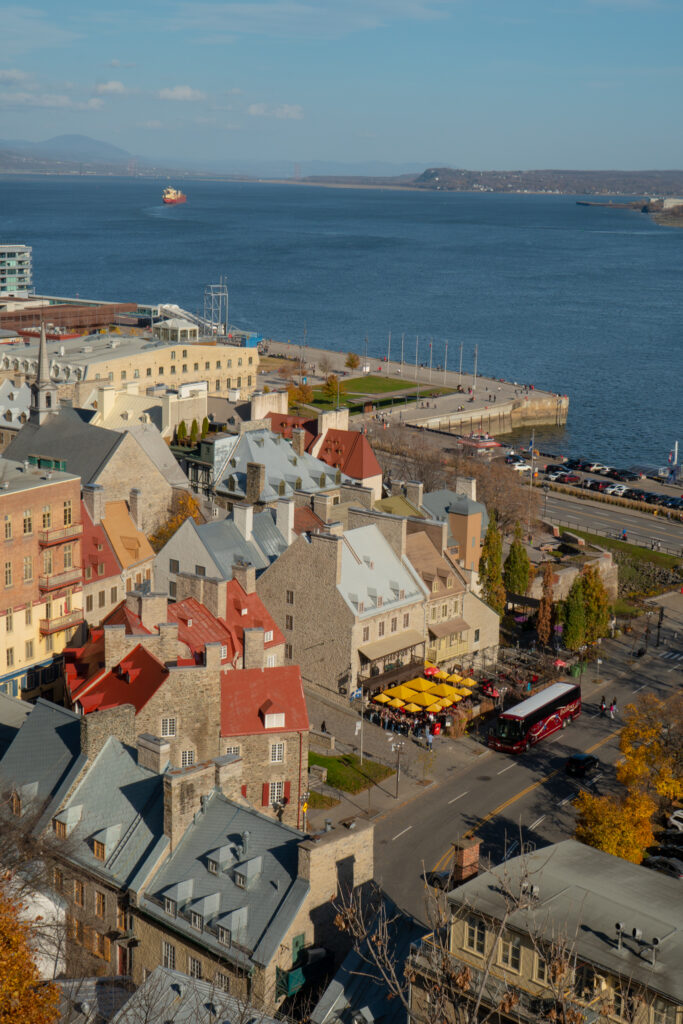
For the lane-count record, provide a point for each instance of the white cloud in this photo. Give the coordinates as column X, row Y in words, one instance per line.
column 47, row 101
column 182, row 93
column 115, row 63
column 14, row 75
column 285, row 112
column 111, row 88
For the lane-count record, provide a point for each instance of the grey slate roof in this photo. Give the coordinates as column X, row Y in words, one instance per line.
column 176, row 997
column 46, row 751
column 583, row 892
column 151, row 442
column 271, row 900
column 283, row 468
column 65, row 436
column 439, row 503
column 371, row 569
column 116, row 793
column 15, row 401
column 13, row 713
column 92, row 1000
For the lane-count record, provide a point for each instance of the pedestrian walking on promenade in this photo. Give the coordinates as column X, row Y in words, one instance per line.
column 429, row 737
column 603, row 707
column 323, row 726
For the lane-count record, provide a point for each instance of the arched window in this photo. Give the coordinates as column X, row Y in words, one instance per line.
column 322, row 479
column 298, row 484
column 281, row 488
column 337, row 477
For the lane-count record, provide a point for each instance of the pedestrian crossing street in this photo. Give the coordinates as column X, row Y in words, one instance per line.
column 671, row 655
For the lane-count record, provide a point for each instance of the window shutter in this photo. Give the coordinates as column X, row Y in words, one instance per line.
column 244, row 792
column 288, row 789
column 265, row 795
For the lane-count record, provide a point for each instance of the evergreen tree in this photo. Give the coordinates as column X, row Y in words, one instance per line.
column 516, row 568
column 544, row 622
column 596, row 605
column 490, row 567
column 194, row 432
column 182, row 432
column 574, row 635
column 205, row 426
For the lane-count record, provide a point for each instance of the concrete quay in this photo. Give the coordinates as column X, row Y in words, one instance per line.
column 493, row 406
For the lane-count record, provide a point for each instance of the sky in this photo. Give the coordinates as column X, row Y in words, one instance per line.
column 481, row 84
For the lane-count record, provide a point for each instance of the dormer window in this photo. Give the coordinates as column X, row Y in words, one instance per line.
column 380, row 600
column 268, row 636
column 15, row 804
column 99, row 850
column 212, row 865
column 240, row 881
column 401, row 595
column 59, row 829
column 361, row 606
column 224, row 651
column 170, row 906
column 197, row 921
column 224, row 936
column 449, row 582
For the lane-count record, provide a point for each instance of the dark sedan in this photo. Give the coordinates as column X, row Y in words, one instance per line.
column 582, row 766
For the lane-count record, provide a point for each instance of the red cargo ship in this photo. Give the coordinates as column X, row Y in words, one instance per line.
column 173, row 196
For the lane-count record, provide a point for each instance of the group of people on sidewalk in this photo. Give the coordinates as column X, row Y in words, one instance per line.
column 605, row 710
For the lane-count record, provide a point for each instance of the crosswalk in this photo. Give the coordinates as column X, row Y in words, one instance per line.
column 671, row 655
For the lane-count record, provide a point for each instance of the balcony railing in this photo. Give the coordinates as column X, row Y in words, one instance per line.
column 53, row 581
column 73, row 618
column 373, row 682
column 59, row 535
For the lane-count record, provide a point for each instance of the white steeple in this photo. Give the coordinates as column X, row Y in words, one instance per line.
column 44, row 393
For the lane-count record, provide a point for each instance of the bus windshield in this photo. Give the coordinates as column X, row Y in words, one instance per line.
column 509, row 729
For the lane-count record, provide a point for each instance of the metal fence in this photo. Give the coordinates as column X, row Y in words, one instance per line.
column 632, row 535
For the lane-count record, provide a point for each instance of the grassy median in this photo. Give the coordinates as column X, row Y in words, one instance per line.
column 348, row 774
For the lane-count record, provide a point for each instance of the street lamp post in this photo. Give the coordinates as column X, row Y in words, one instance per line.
column 397, row 746
column 546, row 489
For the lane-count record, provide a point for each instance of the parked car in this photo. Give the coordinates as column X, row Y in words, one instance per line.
column 634, row 494
column 554, row 468
column 521, row 467
column 556, row 475
column 675, row 820
column 512, row 457
column 595, row 485
column 569, row 478
column 667, row 865
column 441, row 880
column 616, row 489
column 582, row 766
column 625, row 474
column 595, row 467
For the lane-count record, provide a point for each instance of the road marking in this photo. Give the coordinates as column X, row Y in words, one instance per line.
column 402, row 833
column 640, row 688
column 506, row 769
column 459, row 797
column 572, row 796
column 537, row 822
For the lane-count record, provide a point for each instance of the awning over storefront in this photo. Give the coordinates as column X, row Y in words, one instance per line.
column 393, row 644
column 439, row 629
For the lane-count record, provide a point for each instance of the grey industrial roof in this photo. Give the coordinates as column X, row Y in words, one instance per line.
column 19, row 478
column 583, row 892
column 284, row 469
column 439, row 503
column 357, row 988
column 226, row 545
column 46, row 751
column 92, row 1000
column 272, row 900
column 13, row 713
column 171, row 996
column 371, row 569
column 117, row 793
column 64, row 435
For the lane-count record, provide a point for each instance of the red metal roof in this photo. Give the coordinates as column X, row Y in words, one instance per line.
column 285, row 423
column 247, row 611
column 197, row 627
column 244, row 693
column 96, row 550
column 349, row 451
column 134, row 681
column 306, row 520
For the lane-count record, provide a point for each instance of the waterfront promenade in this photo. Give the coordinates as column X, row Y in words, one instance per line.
column 486, row 405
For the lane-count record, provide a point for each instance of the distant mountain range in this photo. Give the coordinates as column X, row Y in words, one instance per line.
column 79, row 154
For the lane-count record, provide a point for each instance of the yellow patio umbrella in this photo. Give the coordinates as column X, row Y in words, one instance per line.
column 434, row 709
column 441, row 674
column 402, row 692
column 423, row 699
column 443, row 690
column 412, row 708
column 464, row 692
column 381, row 698
column 429, row 664
column 445, row 702
column 455, row 678
column 420, row 685
column 456, row 698
column 470, row 682
column 396, row 703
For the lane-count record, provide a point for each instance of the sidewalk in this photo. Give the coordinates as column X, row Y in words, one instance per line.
column 420, row 769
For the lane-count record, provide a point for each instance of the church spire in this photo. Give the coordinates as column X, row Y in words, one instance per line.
column 44, row 393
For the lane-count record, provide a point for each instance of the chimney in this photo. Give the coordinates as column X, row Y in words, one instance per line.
column 284, row 519
column 323, row 505
column 212, row 656
column 243, row 518
column 414, row 492
column 465, row 859
column 93, row 499
column 151, row 608
column 326, row 556
column 394, row 529
column 106, row 397
column 98, row 726
column 135, row 505
column 153, row 752
column 168, row 642
column 245, row 574
column 183, row 792
column 299, row 441
column 256, row 481
column 254, row 653
column 116, row 645
column 466, row 485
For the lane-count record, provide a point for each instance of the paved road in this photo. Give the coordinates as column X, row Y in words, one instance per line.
column 642, row 528
column 508, row 800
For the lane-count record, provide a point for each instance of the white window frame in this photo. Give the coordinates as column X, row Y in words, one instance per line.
column 194, row 968
column 276, row 792
column 170, row 906
column 168, row 727
column 268, row 636
column 224, row 936
column 475, row 935
column 168, row 955
column 196, row 921
column 187, row 758
column 270, row 661
column 509, row 950
column 277, row 753
column 234, row 749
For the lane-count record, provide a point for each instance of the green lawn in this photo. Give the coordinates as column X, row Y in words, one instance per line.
column 375, row 385
column 320, row 801
column 347, row 773
column 635, row 552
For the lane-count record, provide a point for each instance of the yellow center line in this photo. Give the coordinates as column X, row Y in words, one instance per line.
column 518, row 796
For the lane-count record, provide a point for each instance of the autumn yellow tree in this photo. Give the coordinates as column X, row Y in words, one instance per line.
column 620, row 827
column 187, row 507
column 652, row 744
column 23, row 996
column 352, row 361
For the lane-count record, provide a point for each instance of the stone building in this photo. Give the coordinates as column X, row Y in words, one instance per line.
column 41, row 604
column 564, row 932
column 373, row 601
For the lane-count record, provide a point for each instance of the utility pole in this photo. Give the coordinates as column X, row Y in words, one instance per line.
column 445, row 362
column 389, row 350
column 397, row 747
column 474, row 379
column 431, row 347
column 531, row 484
column 417, row 343
column 460, row 370
column 366, row 353
column 402, row 337
column 302, row 356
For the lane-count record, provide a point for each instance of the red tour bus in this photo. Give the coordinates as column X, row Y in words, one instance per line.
column 539, row 716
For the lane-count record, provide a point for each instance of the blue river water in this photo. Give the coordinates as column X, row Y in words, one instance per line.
column 583, row 301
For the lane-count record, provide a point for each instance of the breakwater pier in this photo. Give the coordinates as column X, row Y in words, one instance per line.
column 445, row 400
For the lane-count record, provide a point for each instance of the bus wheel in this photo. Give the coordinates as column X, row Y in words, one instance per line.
column 526, row 747
column 565, row 723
